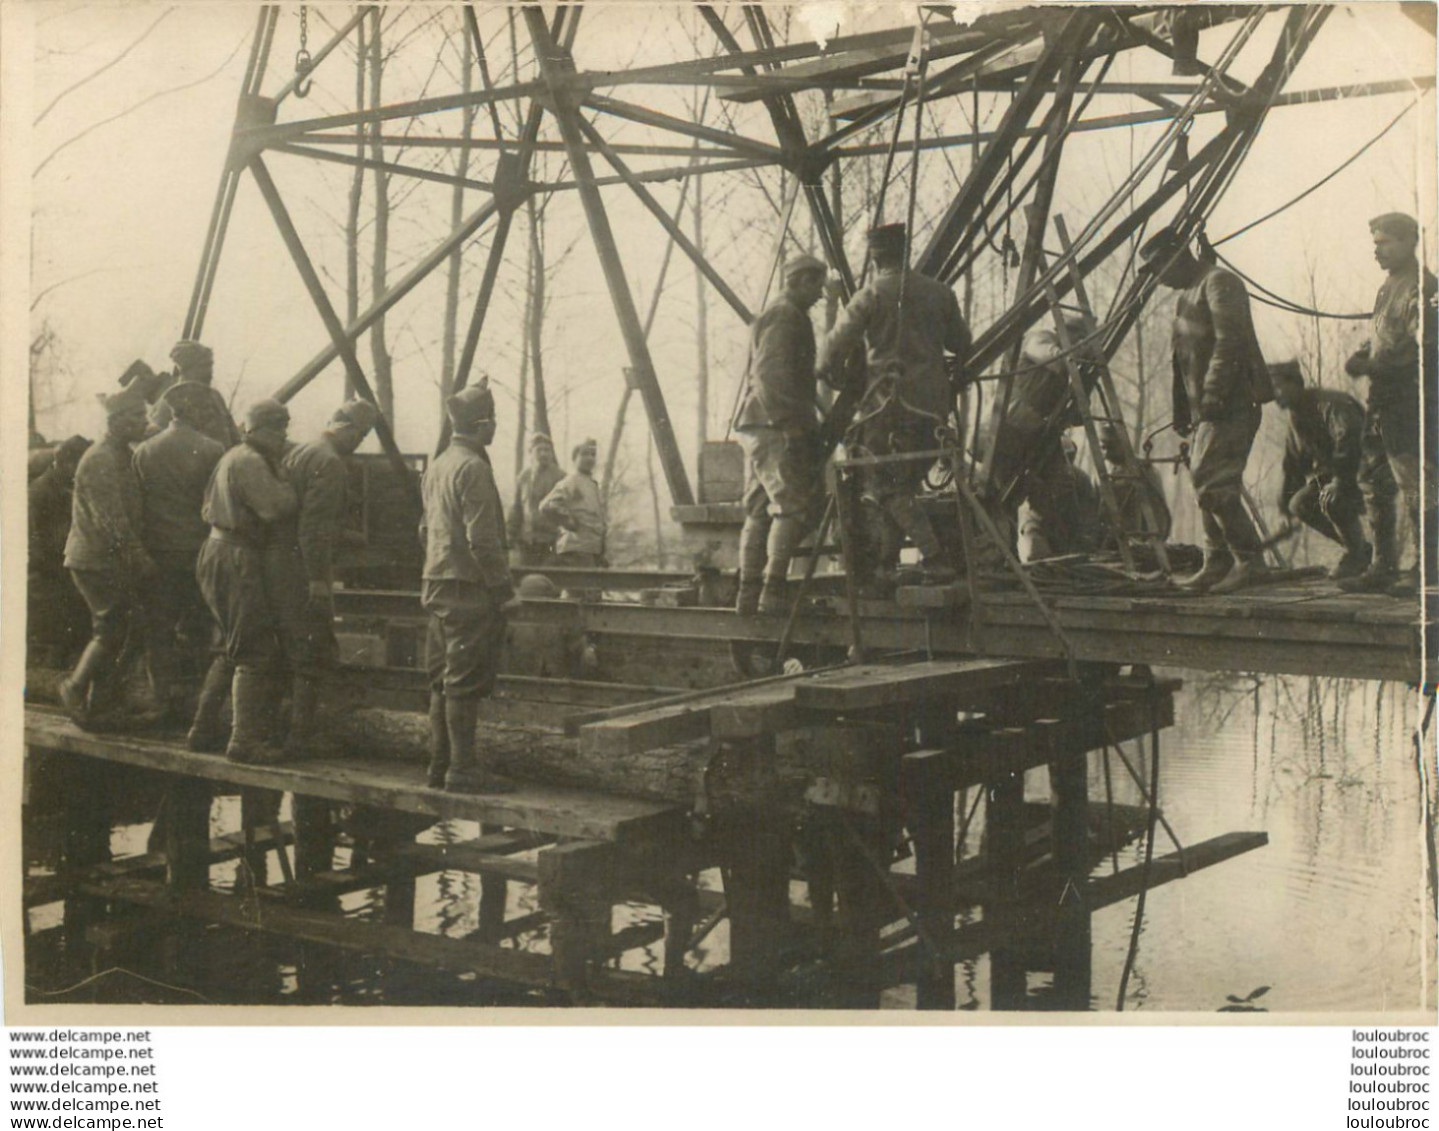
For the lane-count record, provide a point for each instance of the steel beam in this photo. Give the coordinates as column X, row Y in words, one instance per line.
column 324, row 53
column 647, row 117
column 555, row 62
column 332, row 322
column 675, row 231
column 387, row 166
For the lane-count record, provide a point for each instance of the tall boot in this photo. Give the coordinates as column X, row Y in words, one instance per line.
column 253, row 702
column 785, row 533
column 439, row 742
column 752, row 555
column 911, row 518
column 206, row 735
column 1385, row 562
column 75, row 689
column 1357, row 552
column 304, row 703
column 1406, row 584
column 468, row 773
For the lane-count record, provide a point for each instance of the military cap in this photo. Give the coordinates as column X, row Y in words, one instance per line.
column 186, row 398
column 472, row 405
column 128, row 399
column 1286, row 371
column 798, row 263
column 266, row 414
column 1397, row 225
column 887, row 237
column 540, row 438
column 1163, row 243
column 584, row 446
column 72, row 449
column 188, row 355
column 358, row 413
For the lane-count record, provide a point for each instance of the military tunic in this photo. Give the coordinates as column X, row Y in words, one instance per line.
column 214, row 420
column 466, row 580
column 577, row 506
column 534, row 533
column 245, row 499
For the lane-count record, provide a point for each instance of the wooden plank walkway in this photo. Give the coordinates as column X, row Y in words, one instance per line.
column 386, row 785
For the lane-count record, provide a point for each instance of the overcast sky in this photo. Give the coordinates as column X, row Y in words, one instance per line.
column 120, row 209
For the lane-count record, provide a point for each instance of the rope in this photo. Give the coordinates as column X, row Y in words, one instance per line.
column 1323, row 180
column 1280, row 302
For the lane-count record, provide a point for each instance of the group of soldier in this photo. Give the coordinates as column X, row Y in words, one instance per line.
column 1342, row 458
column 558, row 519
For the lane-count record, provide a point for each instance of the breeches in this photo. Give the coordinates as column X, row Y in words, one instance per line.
column 1393, row 427
column 111, row 603
column 232, row 578
column 307, row 631
column 1219, row 451
column 895, row 430
column 466, row 636
column 781, row 472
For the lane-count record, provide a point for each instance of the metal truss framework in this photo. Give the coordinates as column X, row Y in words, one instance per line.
column 1053, row 61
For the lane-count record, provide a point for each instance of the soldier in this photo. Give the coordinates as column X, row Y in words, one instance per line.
column 57, row 618
column 1027, row 459
column 466, row 590
column 1396, row 420
column 1220, row 384
column 173, row 468
column 907, row 322
column 576, row 507
column 534, row 534
column 777, row 424
column 300, row 562
column 246, row 499
column 195, row 364
column 108, row 562
column 1330, row 466
column 1137, row 489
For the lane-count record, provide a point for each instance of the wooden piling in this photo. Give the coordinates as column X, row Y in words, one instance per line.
column 929, row 815
column 1004, row 828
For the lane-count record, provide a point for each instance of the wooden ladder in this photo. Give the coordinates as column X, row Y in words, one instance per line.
column 1151, row 533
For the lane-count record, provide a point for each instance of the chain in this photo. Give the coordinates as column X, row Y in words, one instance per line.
column 303, row 62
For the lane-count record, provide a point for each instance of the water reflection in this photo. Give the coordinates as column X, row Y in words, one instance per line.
column 1332, row 915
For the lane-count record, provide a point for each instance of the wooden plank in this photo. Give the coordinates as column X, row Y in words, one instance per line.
column 762, row 712
column 886, row 685
column 456, row 956
column 633, row 734
column 385, row 785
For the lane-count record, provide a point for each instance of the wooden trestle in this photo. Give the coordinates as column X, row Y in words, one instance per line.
column 821, row 778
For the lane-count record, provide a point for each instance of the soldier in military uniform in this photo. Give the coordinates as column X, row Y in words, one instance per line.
column 778, row 427
column 578, row 509
column 108, row 561
column 246, row 500
column 530, row 532
column 906, row 322
column 195, row 364
column 1396, row 420
column 173, row 468
column 1331, row 465
column 300, row 562
column 1220, row 384
column 57, row 620
column 466, row 591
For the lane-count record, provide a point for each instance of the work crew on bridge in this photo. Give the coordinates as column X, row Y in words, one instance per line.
column 779, row 429
column 1397, row 418
column 1220, row 383
column 174, row 466
column 466, row 591
column 107, row 559
column 301, row 561
column 533, row 535
column 1332, row 463
column 246, row 501
column 907, row 322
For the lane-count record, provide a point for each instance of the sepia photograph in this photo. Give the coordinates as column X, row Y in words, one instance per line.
column 857, row 509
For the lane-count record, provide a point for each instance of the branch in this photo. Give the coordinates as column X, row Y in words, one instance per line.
column 144, row 35
column 132, row 108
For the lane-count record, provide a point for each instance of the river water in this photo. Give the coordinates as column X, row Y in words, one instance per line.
column 1333, row 914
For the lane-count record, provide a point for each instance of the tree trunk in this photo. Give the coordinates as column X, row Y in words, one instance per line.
column 382, row 375
column 457, row 212
column 357, row 191
column 702, row 363
column 660, row 556
column 535, row 317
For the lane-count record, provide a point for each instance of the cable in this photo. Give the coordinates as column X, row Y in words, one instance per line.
column 1144, row 874
column 114, row 970
column 1323, row 180
column 1282, row 303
